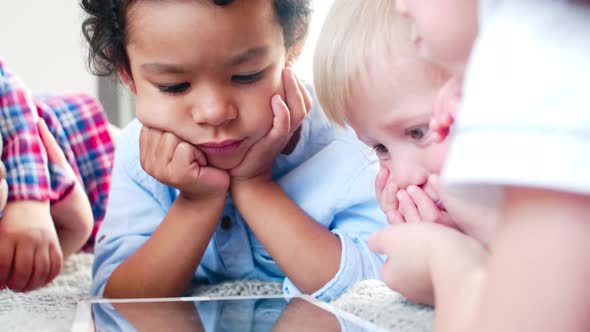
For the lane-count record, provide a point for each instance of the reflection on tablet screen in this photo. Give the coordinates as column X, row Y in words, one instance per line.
column 212, row 315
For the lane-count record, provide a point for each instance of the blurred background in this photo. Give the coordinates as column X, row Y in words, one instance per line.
column 42, row 42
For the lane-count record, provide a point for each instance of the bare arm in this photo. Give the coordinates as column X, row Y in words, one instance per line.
column 165, row 264
column 305, row 251
column 538, row 272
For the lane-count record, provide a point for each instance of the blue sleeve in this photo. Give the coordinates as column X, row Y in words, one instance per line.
column 357, row 216
column 137, row 205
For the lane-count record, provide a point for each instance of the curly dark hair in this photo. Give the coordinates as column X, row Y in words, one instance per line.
column 105, row 29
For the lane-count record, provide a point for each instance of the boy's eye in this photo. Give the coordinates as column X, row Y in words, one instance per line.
column 417, row 133
column 247, row 78
column 174, row 88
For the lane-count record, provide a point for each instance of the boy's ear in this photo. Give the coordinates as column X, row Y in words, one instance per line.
column 127, row 79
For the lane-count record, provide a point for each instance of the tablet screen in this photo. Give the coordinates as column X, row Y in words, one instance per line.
column 269, row 313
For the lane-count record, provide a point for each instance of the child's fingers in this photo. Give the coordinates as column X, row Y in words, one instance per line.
column 293, row 98
column 431, row 191
column 40, row 269
column 166, row 147
column 2, row 168
column 3, row 194
column 153, row 139
column 435, row 188
column 6, row 260
column 407, row 208
column 188, row 157
column 281, row 124
column 380, row 181
column 389, row 199
column 394, row 217
column 185, row 156
column 380, row 241
column 149, row 154
column 426, row 207
column 56, row 261
column 23, row 266
column 306, row 97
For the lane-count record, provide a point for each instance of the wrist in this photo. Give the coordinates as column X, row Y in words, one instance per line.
column 192, row 201
column 241, row 185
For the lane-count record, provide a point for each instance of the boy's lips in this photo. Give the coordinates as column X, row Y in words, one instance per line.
column 222, row 147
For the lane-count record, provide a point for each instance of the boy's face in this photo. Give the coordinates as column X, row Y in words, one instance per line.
column 444, row 30
column 206, row 73
column 391, row 114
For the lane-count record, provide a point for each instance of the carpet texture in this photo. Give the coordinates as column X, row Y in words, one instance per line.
column 52, row 308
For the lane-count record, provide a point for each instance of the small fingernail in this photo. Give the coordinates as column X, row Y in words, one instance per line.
column 412, row 189
column 399, row 194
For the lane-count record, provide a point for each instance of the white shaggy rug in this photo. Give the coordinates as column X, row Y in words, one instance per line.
column 53, row 308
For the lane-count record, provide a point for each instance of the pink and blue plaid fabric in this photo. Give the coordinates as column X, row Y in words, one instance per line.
column 80, row 127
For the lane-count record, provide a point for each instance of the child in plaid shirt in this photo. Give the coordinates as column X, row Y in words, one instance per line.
column 58, row 153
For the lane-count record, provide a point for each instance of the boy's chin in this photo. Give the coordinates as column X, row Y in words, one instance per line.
column 224, row 163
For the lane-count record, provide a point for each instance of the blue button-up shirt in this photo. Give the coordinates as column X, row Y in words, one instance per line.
column 329, row 174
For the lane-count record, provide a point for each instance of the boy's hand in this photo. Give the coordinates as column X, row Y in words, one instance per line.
column 30, row 254
column 180, row 164
column 445, row 109
column 287, row 119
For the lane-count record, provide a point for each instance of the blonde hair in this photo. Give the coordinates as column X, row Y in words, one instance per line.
column 354, row 32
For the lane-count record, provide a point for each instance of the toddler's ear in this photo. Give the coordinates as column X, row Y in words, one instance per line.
column 127, row 79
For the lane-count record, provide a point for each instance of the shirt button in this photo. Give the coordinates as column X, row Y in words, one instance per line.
column 226, row 223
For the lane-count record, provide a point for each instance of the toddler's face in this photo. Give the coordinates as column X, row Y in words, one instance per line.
column 206, row 73
column 391, row 114
column 443, row 30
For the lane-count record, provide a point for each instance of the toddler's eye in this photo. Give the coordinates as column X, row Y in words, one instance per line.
column 417, row 133
column 380, row 148
column 247, row 78
column 174, row 88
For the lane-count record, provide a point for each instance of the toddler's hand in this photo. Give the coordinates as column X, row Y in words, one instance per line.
column 445, row 109
column 479, row 222
column 30, row 254
column 287, row 119
column 406, row 269
column 180, row 164
column 385, row 191
column 416, row 205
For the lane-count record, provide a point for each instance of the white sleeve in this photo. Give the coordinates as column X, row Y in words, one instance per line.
column 525, row 118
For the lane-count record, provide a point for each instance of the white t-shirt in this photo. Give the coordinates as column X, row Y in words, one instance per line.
column 525, row 117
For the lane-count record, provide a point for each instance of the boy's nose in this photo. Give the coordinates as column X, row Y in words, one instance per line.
column 213, row 109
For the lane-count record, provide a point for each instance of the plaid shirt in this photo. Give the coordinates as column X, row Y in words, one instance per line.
column 80, row 127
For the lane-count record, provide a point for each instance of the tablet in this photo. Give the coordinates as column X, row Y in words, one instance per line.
column 212, row 314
